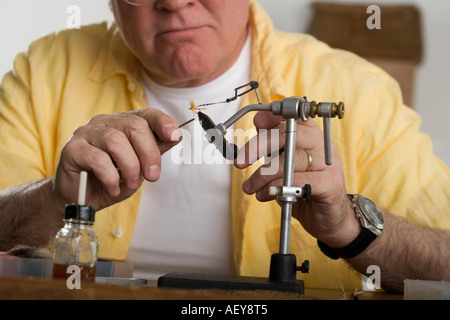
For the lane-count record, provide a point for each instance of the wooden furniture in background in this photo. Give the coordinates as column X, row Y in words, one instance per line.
column 396, row 47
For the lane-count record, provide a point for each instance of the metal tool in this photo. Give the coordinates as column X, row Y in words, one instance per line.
column 159, row 140
column 283, row 265
column 228, row 150
column 253, row 86
column 185, row 123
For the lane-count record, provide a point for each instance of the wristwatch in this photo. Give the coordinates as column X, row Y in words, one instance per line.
column 372, row 222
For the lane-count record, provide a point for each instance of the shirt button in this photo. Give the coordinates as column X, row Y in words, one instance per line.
column 131, row 86
column 117, row 233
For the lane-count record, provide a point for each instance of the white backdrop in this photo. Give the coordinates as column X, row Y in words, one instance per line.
column 26, row 20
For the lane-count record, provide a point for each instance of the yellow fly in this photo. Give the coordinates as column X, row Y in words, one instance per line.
column 193, row 107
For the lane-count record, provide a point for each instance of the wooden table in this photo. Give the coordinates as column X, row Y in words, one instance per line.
column 45, row 289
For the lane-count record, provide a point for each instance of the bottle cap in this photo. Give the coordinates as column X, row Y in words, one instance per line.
column 77, row 212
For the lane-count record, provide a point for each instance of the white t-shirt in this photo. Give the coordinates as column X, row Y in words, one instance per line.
column 184, row 219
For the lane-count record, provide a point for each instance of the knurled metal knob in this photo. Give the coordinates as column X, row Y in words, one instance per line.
column 337, row 110
column 326, row 109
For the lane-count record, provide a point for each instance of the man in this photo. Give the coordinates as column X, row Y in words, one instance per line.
column 165, row 52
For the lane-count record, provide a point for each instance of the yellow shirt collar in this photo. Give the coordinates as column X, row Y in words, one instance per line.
column 114, row 58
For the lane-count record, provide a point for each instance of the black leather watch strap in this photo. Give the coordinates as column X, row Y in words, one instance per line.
column 362, row 241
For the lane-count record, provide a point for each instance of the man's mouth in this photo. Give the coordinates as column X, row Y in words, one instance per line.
column 180, row 31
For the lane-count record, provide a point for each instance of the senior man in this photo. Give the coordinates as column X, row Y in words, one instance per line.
column 80, row 98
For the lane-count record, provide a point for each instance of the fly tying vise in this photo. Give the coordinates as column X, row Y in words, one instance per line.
column 283, row 265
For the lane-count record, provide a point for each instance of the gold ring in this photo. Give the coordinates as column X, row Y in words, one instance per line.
column 310, row 161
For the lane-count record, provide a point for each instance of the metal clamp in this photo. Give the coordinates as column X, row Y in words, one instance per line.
column 291, row 109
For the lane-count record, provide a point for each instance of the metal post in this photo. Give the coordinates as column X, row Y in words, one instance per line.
column 288, row 180
column 327, row 140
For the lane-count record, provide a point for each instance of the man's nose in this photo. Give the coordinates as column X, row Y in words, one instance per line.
column 173, row 5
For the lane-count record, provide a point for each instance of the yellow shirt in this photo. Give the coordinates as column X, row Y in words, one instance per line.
column 64, row 79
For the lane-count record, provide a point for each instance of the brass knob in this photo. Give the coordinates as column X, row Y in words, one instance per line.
column 313, row 109
column 326, row 109
column 337, row 110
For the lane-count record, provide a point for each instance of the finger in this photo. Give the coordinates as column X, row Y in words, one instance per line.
column 145, row 146
column 258, row 180
column 266, row 120
column 165, row 127
column 80, row 155
column 118, row 146
column 143, row 129
column 300, row 179
column 266, row 142
column 263, row 194
column 165, row 135
column 274, row 170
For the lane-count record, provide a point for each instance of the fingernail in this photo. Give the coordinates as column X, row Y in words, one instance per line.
column 115, row 191
column 176, row 135
column 169, row 129
column 135, row 183
column 153, row 172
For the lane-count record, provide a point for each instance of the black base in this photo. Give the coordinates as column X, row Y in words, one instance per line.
column 186, row 280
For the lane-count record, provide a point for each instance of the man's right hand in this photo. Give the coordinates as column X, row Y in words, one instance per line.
column 118, row 151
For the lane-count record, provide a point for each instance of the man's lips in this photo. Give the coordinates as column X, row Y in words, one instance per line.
column 180, row 31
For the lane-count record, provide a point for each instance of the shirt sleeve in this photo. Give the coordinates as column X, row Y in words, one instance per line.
column 396, row 164
column 20, row 147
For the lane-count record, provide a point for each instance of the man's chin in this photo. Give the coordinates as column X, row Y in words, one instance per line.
column 185, row 75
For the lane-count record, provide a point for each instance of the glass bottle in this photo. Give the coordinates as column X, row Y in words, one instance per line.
column 76, row 244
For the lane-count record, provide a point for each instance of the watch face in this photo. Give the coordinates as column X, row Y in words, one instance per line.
column 371, row 211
